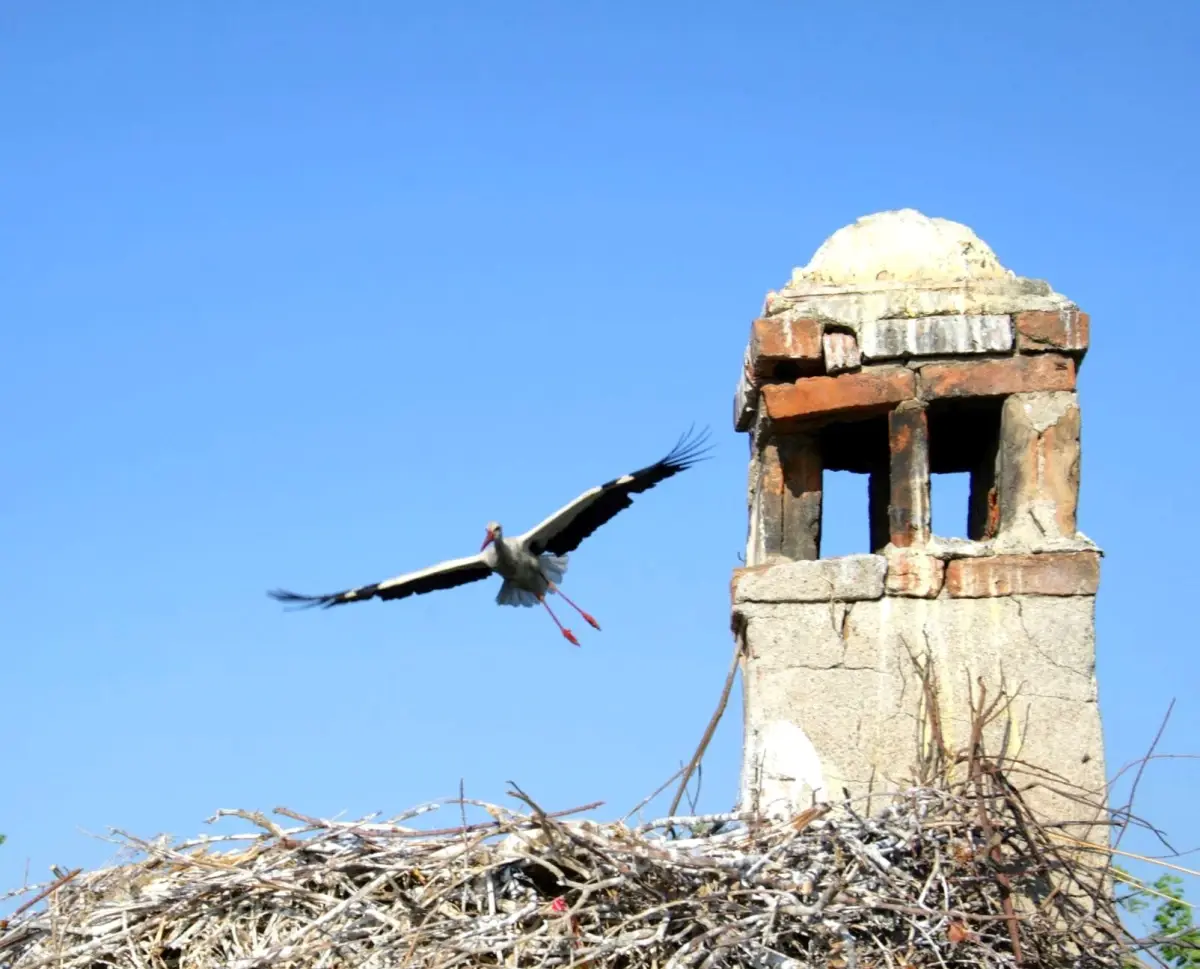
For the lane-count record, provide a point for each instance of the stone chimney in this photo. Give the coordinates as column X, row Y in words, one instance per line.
column 905, row 348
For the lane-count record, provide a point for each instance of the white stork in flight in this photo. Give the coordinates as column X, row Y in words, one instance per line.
column 532, row 564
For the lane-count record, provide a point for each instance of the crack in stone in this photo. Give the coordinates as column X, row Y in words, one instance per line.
column 835, row 666
column 1032, row 640
column 844, row 632
column 1058, row 696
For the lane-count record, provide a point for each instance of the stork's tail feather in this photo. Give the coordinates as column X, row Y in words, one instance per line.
column 511, row 594
column 554, row 567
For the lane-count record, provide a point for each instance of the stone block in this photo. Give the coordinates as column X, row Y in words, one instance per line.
column 1038, row 468
column 841, row 353
column 957, row 548
column 842, row 678
column 908, row 508
column 850, row 578
column 774, row 304
column 1065, row 329
column 850, row 393
column 785, row 339
column 857, row 305
column 997, row 378
column 1049, row 574
column 932, row 336
column 913, row 573
column 1004, row 544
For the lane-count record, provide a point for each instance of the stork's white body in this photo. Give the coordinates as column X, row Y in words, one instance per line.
column 527, row 577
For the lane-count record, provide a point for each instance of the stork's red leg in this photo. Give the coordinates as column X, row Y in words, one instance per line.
column 592, row 622
column 570, row 636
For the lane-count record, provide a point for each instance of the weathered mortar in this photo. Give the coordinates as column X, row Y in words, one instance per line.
column 903, row 349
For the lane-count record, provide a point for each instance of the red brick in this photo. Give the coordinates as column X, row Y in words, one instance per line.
column 785, row 338
column 1048, row 574
column 869, row 390
column 997, row 378
column 1052, row 330
column 915, row 574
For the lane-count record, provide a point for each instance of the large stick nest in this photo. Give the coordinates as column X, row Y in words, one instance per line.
column 929, row 880
column 955, row 871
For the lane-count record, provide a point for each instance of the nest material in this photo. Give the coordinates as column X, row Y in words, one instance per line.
column 947, row 876
column 955, row 871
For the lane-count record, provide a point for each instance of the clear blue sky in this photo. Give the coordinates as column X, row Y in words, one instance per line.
column 304, row 294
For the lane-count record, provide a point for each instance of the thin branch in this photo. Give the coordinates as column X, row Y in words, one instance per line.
column 712, row 725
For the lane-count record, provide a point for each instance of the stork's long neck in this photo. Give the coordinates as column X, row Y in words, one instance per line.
column 504, row 554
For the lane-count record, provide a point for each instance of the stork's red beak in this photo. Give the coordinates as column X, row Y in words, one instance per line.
column 487, row 539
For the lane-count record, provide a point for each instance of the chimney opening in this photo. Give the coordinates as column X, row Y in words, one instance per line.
column 855, row 460
column 964, row 443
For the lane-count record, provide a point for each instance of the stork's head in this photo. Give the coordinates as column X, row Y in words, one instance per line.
column 494, row 534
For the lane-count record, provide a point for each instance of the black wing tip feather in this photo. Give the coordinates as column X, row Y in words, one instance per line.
column 601, row 504
column 690, row 449
column 299, row 601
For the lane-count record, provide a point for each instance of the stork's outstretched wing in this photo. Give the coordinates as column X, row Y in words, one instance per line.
column 566, row 528
column 443, row 576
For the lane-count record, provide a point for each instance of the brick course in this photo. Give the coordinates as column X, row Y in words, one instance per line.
column 1047, row 574
column 786, row 338
column 1050, row 330
column 997, row 378
column 869, row 390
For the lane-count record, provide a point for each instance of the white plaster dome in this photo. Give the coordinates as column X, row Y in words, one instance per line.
column 904, row 246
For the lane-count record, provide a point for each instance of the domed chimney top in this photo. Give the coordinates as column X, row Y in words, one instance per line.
column 900, row 246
